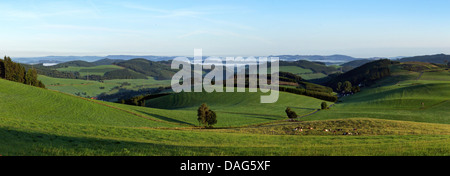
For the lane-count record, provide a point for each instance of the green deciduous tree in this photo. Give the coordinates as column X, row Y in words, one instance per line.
column 347, row 86
column 205, row 116
column 291, row 114
column 324, row 105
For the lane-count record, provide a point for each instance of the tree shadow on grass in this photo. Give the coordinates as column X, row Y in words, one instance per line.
column 166, row 118
column 260, row 117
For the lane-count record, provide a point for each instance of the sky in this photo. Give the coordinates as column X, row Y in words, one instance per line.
column 363, row 28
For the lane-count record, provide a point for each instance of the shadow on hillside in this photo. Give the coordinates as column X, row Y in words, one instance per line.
column 166, row 118
column 19, row 143
column 260, row 117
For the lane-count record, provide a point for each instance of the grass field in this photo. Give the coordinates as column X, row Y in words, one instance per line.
column 306, row 74
column 150, row 142
column 93, row 88
column 384, row 119
column 295, row 69
column 399, row 97
column 36, row 105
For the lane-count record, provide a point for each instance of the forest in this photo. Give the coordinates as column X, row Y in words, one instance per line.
column 366, row 74
column 12, row 71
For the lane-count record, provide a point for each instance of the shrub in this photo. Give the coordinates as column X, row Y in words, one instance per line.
column 324, row 105
column 291, row 114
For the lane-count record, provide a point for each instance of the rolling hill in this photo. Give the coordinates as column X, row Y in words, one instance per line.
column 149, row 68
column 107, row 61
column 37, row 121
column 236, row 101
column 40, row 105
column 437, row 59
column 76, row 63
column 385, row 118
column 400, row 97
column 356, row 63
column 366, row 74
column 316, row 67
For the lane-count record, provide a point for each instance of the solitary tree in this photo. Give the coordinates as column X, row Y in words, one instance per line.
column 324, row 105
column 205, row 116
column 291, row 114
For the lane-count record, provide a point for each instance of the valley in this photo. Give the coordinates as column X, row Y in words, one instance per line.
column 405, row 113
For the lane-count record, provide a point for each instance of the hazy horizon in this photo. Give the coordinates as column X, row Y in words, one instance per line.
column 226, row 55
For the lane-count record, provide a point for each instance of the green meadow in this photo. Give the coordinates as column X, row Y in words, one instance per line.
column 96, row 70
column 387, row 118
column 399, row 99
column 94, row 88
column 306, row 74
column 295, row 69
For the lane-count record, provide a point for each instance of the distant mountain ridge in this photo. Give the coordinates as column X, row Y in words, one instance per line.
column 332, row 59
column 328, row 60
column 55, row 59
column 61, row 59
column 336, row 59
column 107, row 61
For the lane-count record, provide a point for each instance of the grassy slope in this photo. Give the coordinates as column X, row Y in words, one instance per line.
column 295, row 69
column 399, row 97
column 304, row 73
column 235, row 109
column 92, row 88
column 362, row 126
column 36, row 137
column 39, row 138
column 35, row 104
column 42, row 122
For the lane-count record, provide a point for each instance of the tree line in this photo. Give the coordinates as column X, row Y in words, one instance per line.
column 347, row 87
column 138, row 98
column 305, row 88
column 366, row 74
column 16, row 72
column 310, row 93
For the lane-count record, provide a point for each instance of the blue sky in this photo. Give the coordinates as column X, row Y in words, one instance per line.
column 363, row 28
